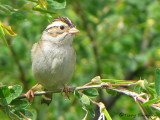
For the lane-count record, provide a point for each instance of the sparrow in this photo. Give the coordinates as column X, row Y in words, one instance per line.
column 53, row 56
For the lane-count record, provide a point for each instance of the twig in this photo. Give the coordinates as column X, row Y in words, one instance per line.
column 140, row 108
column 134, row 94
column 101, row 86
column 102, row 109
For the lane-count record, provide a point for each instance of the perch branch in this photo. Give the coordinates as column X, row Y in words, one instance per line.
column 100, row 86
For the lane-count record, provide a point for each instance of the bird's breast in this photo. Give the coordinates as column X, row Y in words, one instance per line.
column 52, row 65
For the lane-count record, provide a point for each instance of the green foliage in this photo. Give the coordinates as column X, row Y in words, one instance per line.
column 87, row 105
column 150, row 90
column 91, row 92
column 4, row 92
column 56, row 4
column 14, row 108
column 48, row 6
column 2, row 36
column 157, row 81
column 118, row 40
column 150, row 102
column 85, row 100
column 113, row 93
column 90, row 110
column 138, row 89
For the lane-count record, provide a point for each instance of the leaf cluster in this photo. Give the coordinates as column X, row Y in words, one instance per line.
column 14, row 108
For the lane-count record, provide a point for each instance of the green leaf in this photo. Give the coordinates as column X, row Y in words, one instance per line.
column 7, row 29
column 96, row 80
column 4, row 9
column 19, row 104
column 4, row 29
column 77, row 93
column 56, row 4
column 4, row 91
column 146, row 83
column 85, row 100
column 15, row 91
column 42, row 3
column 150, row 102
column 2, row 36
column 26, row 114
column 115, row 81
column 138, row 89
column 90, row 109
column 34, row 114
column 43, row 10
column 157, row 81
column 151, row 91
column 109, row 80
column 104, row 110
column 107, row 114
column 113, row 93
column 148, row 88
column 4, row 102
column 19, row 15
column 9, row 94
column 91, row 92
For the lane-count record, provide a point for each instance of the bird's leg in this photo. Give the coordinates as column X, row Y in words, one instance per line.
column 65, row 89
column 30, row 93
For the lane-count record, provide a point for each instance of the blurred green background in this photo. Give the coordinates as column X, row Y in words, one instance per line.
column 118, row 39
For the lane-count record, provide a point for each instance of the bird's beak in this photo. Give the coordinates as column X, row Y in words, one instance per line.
column 73, row 31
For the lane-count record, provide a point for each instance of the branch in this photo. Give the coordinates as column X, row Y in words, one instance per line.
column 100, row 86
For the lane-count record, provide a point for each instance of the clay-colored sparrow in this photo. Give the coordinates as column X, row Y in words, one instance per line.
column 53, row 56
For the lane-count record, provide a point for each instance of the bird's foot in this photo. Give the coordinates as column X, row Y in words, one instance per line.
column 65, row 89
column 30, row 93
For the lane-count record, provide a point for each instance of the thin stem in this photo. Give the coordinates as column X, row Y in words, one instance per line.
column 100, row 86
column 141, row 108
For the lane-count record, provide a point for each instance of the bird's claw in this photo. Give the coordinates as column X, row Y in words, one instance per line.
column 65, row 89
column 30, row 95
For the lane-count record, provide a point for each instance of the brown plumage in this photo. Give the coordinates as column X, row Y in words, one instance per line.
column 65, row 20
column 53, row 56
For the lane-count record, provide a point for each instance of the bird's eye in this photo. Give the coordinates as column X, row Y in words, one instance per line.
column 61, row 27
